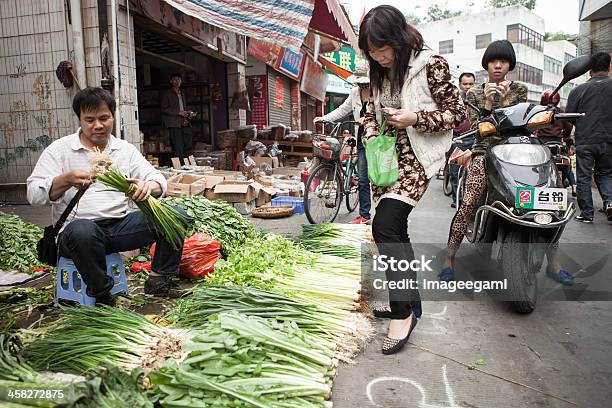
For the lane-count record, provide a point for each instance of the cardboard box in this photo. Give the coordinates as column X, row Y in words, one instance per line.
column 186, row 184
column 265, row 193
column 287, row 171
column 226, row 174
column 271, row 161
column 233, row 191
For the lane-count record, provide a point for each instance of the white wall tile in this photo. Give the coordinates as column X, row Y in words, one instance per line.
column 56, row 5
column 8, row 8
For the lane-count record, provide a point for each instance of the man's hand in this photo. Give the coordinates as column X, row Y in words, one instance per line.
column 184, row 114
column 400, row 118
column 144, row 189
column 317, row 119
column 78, row 179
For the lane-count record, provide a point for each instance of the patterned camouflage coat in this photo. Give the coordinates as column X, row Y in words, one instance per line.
column 476, row 96
column 412, row 181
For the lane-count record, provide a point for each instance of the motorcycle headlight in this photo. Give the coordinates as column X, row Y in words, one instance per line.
column 522, row 154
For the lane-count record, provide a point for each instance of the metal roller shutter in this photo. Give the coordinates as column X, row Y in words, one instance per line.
column 276, row 114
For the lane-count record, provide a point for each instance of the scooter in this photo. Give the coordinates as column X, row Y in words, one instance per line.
column 526, row 207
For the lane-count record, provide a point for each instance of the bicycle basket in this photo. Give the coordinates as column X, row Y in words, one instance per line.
column 326, row 147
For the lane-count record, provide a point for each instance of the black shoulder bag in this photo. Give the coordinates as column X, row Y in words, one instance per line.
column 47, row 247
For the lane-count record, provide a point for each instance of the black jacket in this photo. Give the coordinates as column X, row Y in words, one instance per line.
column 594, row 98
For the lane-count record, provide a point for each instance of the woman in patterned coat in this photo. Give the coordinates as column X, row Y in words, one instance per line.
column 412, row 89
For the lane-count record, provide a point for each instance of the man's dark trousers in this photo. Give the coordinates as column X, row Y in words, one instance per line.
column 181, row 141
column 589, row 156
column 87, row 242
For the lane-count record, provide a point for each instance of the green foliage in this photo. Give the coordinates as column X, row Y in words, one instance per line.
column 435, row 12
column 217, row 219
column 530, row 4
column 18, row 243
column 556, row 36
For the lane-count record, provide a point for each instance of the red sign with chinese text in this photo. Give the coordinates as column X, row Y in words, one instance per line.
column 258, row 91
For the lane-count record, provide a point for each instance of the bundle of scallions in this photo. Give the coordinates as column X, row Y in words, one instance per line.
column 84, row 337
column 169, row 222
column 343, row 240
column 204, row 300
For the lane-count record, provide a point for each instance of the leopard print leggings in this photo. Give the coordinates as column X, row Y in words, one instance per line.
column 475, row 187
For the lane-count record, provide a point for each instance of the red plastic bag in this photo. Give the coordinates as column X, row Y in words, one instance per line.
column 200, row 254
column 138, row 267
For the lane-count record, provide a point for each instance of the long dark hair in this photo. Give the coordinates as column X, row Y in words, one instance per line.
column 386, row 25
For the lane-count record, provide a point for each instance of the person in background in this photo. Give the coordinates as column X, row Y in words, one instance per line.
column 498, row 59
column 102, row 222
column 466, row 82
column 175, row 118
column 355, row 104
column 560, row 131
column 593, row 137
column 412, row 89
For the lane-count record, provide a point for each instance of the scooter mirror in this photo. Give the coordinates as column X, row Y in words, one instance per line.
column 573, row 69
column 576, row 67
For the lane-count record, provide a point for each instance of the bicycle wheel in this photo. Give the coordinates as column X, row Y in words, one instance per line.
column 351, row 188
column 322, row 195
column 446, row 186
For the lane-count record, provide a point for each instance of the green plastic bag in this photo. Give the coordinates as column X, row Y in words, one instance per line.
column 381, row 153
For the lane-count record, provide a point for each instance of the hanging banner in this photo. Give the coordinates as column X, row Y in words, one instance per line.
column 279, row 92
column 314, row 80
column 291, row 63
column 258, row 92
column 231, row 42
column 281, row 59
column 280, row 22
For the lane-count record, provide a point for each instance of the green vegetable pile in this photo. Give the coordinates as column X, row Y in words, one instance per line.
column 85, row 337
column 248, row 361
column 343, row 240
column 18, row 243
column 106, row 387
column 217, row 219
column 206, row 300
column 271, row 262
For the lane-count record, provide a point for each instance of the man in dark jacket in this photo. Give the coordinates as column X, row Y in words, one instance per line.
column 175, row 118
column 593, row 136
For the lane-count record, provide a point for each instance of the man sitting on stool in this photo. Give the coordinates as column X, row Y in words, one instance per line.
column 102, row 222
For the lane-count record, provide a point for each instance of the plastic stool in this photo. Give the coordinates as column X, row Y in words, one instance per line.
column 70, row 286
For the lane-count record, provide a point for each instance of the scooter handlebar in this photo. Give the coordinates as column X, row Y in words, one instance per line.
column 570, row 116
column 465, row 135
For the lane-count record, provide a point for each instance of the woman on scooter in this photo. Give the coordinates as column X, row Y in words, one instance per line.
column 498, row 92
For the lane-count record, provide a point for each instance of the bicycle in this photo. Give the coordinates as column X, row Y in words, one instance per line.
column 335, row 178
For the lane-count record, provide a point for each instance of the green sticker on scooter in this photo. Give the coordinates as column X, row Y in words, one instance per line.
column 525, row 197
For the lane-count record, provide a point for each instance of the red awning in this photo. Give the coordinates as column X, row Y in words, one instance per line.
column 330, row 19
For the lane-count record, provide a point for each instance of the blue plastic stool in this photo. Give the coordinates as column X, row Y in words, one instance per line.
column 70, row 286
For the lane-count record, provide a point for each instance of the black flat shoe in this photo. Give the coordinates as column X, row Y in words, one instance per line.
column 382, row 312
column 392, row 346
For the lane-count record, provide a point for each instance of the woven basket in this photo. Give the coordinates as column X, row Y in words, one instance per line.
column 273, row 212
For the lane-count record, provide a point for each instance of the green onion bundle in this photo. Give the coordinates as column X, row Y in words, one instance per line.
column 343, row 240
column 169, row 222
column 205, row 300
column 85, row 337
column 248, row 361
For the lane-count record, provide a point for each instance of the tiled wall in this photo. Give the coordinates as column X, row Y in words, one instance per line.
column 34, row 105
column 35, row 108
column 127, row 62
